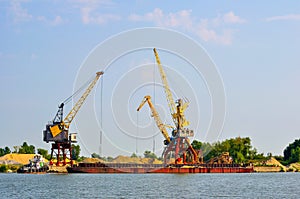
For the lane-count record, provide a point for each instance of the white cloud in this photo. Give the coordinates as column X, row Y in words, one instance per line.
column 54, row 22
column 88, row 16
column 90, row 11
column 178, row 19
column 57, row 21
column 230, row 17
column 294, row 17
column 209, row 34
column 19, row 13
column 207, row 29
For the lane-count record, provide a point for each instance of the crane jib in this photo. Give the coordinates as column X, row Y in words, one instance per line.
column 60, row 125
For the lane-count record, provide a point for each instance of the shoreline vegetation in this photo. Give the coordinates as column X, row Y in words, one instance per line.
column 240, row 149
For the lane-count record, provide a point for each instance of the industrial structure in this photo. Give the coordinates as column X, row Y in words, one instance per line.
column 179, row 155
column 57, row 131
column 157, row 119
column 178, row 147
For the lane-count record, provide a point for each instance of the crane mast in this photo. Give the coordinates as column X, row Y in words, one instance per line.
column 156, row 117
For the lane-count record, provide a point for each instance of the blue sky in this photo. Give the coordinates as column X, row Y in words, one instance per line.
column 255, row 46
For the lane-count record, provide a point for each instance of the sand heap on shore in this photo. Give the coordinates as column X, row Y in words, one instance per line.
column 135, row 160
column 92, row 160
column 273, row 162
column 271, row 165
column 14, row 158
column 294, row 167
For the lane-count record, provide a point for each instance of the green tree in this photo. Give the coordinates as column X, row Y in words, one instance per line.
column 109, row 158
column 196, row 144
column 133, row 155
column 7, row 150
column 240, row 149
column 4, row 151
column 291, row 153
column 26, row 149
column 149, row 154
column 3, row 168
column 259, row 156
column 295, row 155
column 75, row 151
column 44, row 153
column 95, row 155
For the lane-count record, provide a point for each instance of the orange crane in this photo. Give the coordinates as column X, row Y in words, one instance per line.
column 57, row 130
column 156, row 117
column 180, row 144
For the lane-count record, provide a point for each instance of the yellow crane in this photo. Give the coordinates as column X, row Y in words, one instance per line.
column 58, row 130
column 177, row 111
column 69, row 118
column 181, row 144
column 60, row 125
column 156, row 117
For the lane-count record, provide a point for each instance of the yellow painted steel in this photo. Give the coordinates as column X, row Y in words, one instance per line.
column 55, row 130
column 68, row 119
column 156, row 117
column 177, row 112
column 65, row 124
column 167, row 90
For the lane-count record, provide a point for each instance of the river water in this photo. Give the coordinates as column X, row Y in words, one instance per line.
column 253, row 185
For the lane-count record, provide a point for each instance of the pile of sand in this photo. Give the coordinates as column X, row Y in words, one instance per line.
column 271, row 165
column 135, row 160
column 156, row 161
column 92, row 160
column 17, row 158
column 294, row 167
column 273, row 162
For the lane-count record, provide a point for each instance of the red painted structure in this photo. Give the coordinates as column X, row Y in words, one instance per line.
column 158, row 168
column 63, row 152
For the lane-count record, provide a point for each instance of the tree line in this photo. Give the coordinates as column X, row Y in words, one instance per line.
column 240, row 149
column 291, row 153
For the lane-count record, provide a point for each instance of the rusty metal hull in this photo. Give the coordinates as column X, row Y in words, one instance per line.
column 154, row 168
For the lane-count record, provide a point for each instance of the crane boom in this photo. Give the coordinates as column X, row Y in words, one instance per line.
column 171, row 103
column 177, row 112
column 157, row 119
column 68, row 119
column 64, row 125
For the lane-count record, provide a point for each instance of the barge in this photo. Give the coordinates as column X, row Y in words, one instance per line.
column 158, row 168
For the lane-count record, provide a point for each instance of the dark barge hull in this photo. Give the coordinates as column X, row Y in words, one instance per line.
column 33, row 170
column 158, row 168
